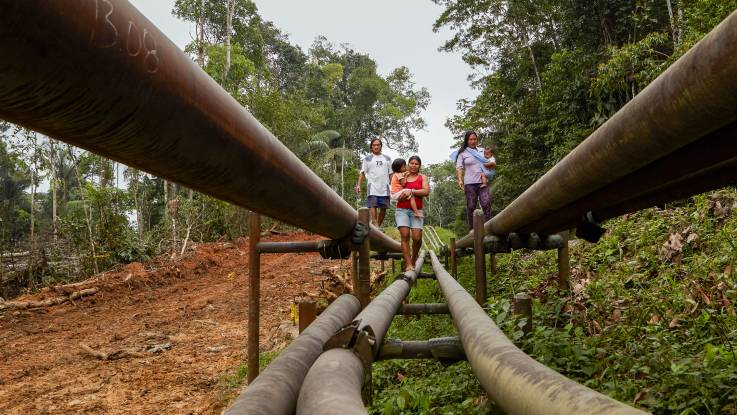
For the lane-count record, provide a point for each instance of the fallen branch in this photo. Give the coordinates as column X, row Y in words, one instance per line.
column 16, row 305
column 118, row 354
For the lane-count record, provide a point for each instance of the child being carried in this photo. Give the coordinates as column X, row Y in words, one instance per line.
column 399, row 180
column 488, row 167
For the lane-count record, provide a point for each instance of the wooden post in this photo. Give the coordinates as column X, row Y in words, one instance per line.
column 479, row 256
column 564, row 264
column 522, row 308
column 364, row 266
column 254, row 285
column 354, row 272
column 307, row 312
column 492, row 265
column 453, row 268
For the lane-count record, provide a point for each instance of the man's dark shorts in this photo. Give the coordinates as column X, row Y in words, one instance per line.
column 377, row 201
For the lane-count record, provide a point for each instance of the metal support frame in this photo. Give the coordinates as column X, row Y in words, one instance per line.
column 445, row 349
column 515, row 381
column 254, row 294
column 275, row 391
column 306, row 313
column 334, row 383
column 522, row 308
column 364, row 265
column 453, row 258
column 423, row 308
column 292, row 247
column 564, row 265
column 479, row 256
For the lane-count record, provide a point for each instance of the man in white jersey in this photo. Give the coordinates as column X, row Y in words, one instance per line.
column 376, row 170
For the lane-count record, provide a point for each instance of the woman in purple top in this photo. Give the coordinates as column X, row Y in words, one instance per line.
column 469, row 174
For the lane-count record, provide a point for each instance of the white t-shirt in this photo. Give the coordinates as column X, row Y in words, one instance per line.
column 377, row 169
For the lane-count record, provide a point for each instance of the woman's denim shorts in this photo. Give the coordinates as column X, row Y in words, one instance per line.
column 406, row 217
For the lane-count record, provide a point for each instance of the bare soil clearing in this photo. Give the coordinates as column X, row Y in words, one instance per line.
column 166, row 331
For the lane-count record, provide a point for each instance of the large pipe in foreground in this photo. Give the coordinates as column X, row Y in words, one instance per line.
column 275, row 391
column 515, row 381
column 695, row 96
column 333, row 384
column 99, row 75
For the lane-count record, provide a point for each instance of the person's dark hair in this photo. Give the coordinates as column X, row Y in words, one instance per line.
column 415, row 158
column 375, row 139
column 397, row 165
column 465, row 142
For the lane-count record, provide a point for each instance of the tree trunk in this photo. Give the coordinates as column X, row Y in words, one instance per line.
column 52, row 185
column 87, row 214
column 674, row 31
column 230, row 10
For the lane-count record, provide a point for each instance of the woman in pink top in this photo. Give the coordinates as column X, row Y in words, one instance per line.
column 408, row 223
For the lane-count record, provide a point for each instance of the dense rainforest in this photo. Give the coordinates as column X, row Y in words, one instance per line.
column 547, row 74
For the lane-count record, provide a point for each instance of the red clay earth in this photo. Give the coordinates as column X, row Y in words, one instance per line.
column 182, row 320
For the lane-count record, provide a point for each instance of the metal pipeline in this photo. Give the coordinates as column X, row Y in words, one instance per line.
column 695, row 96
column 333, row 384
column 275, row 391
column 291, row 247
column 99, row 75
column 698, row 158
column 515, row 381
column 446, row 349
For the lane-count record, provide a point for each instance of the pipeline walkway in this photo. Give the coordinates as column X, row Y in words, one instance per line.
column 99, row 75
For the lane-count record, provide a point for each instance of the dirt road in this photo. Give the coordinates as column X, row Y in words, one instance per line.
column 178, row 325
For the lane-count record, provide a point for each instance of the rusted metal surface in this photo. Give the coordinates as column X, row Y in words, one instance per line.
column 507, row 243
column 334, row 383
column 479, row 260
column 692, row 98
column 276, row 390
column 564, row 265
column 522, row 308
column 307, row 312
column 426, row 308
column 724, row 174
column 453, row 258
column 254, row 295
column 715, row 149
column 447, row 349
column 289, row 247
column 515, row 381
column 99, row 75
column 364, row 264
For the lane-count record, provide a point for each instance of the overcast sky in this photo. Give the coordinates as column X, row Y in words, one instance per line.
column 394, row 33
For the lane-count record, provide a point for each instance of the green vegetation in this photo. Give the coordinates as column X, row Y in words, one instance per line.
column 650, row 319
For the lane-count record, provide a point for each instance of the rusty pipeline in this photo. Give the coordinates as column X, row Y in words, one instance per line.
column 275, row 391
column 334, row 383
column 446, row 349
column 692, row 98
column 99, row 75
column 699, row 158
column 420, row 309
column 515, row 381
